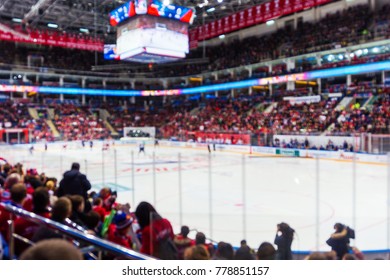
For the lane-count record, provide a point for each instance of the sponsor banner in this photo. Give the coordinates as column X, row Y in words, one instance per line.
column 54, row 39
column 220, row 28
column 176, row 144
column 213, row 29
column 332, row 95
column 282, row 79
column 200, row 31
column 348, row 155
column 238, row 148
column 363, row 95
column 189, row 145
column 307, row 4
column 298, row 5
column 194, row 44
column 287, row 152
column 206, row 31
column 303, row 99
column 264, row 150
column 193, row 38
column 258, row 14
column 277, row 8
column 201, row 145
column 321, row 2
column 222, row 138
column 268, row 10
column 242, row 18
column 320, row 154
column 250, row 16
column 234, row 22
column 226, row 24
column 288, row 7
column 221, row 147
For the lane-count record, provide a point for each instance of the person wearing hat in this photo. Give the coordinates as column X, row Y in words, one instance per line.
column 120, row 231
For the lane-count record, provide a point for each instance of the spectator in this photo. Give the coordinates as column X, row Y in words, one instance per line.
column 244, row 252
column 26, row 228
column 119, row 231
column 266, row 251
column 18, row 194
column 54, row 249
column 61, row 211
column 316, row 256
column 197, row 252
column 283, row 240
column 78, row 215
column 349, row 257
column 339, row 241
column 224, row 251
column 74, row 182
column 155, row 230
column 182, row 241
column 200, row 239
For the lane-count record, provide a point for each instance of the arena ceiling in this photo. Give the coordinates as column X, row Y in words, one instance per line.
column 92, row 15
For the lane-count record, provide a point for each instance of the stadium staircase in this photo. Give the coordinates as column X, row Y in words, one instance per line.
column 194, row 111
column 53, row 129
column 270, row 107
column 370, row 102
column 261, row 107
column 328, row 130
column 110, row 128
column 33, row 113
column 344, row 103
column 104, row 114
column 50, row 113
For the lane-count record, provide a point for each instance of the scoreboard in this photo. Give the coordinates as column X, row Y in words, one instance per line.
column 149, row 31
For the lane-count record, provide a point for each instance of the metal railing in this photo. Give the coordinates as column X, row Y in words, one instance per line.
column 87, row 239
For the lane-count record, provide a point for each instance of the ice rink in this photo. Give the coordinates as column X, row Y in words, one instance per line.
column 231, row 196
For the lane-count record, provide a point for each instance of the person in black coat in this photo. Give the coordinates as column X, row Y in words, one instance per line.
column 284, row 239
column 339, row 240
column 74, row 182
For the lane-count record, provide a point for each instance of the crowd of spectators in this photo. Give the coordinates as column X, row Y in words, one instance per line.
column 303, row 118
column 305, row 144
column 217, row 115
column 181, row 118
column 340, row 29
column 71, row 203
column 360, row 120
column 79, row 123
column 15, row 115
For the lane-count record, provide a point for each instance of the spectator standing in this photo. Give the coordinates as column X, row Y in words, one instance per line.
column 284, row 239
column 244, row 252
column 155, row 230
column 182, row 241
column 74, row 182
column 339, row 241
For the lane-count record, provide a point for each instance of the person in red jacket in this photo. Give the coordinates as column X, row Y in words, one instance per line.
column 26, row 228
column 118, row 232
column 182, row 241
column 154, row 229
column 18, row 194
